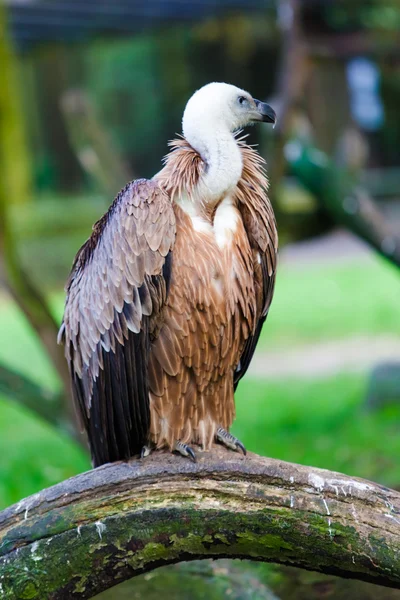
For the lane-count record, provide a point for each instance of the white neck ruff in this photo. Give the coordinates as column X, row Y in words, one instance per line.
column 222, row 157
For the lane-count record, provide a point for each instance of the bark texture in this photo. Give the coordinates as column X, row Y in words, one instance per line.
column 95, row 530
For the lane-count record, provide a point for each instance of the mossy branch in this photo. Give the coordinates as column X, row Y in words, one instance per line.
column 348, row 204
column 95, row 530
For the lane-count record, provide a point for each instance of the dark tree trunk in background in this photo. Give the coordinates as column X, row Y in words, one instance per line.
column 292, row 74
column 14, row 190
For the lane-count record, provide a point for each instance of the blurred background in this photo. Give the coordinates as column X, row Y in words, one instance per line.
column 90, row 93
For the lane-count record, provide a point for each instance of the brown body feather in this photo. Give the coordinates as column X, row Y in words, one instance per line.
column 160, row 321
column 217, row 299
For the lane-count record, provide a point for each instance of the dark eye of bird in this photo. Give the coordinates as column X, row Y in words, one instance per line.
column 241, row 99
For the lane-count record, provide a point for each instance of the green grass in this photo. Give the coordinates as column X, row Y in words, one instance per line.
column 322, row 423
column 20, row 349
column 359, row 297
column 32, row 454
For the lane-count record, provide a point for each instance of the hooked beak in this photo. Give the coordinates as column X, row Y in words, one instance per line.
column 265, row 112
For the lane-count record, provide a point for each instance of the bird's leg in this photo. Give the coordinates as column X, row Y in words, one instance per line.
column 229, row 440
column 145, row 451
column 185, row 450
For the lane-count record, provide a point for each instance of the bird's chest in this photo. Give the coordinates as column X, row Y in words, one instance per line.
column 212, row 276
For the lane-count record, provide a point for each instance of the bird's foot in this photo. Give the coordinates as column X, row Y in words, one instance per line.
column 229, row 440
column 185, row 450
column 145, row 451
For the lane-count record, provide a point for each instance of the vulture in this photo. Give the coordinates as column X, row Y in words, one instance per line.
column 166, row 300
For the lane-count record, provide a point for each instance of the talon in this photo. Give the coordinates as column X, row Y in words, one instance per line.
column 191, row 454
column 145, row 451
column 185, row 450
column 241, row 446
column 229, row 440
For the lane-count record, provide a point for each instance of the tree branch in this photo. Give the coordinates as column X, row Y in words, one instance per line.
column 97, row 529
column 92, row 144
column 348, row 203
column 291, row 78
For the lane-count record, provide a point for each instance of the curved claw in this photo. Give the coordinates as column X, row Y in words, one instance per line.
column 191, row 454
column 229, row 440
column 241, row 446
column 145, row 452
column 185, row 450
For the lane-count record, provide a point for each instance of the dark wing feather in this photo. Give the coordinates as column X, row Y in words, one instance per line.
column 115, row 298
column 260, row 225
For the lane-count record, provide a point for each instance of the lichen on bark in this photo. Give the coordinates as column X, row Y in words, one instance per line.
column 108, row 525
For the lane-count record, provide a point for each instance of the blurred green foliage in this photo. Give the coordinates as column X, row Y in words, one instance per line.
column 123, row 79
column 15, row 176
column 139, row 85
column 372, row 14
column 320, row 422
column 33, row 455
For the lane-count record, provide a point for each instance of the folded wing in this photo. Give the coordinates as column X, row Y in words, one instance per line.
column 260, row 225
column 116, row 295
